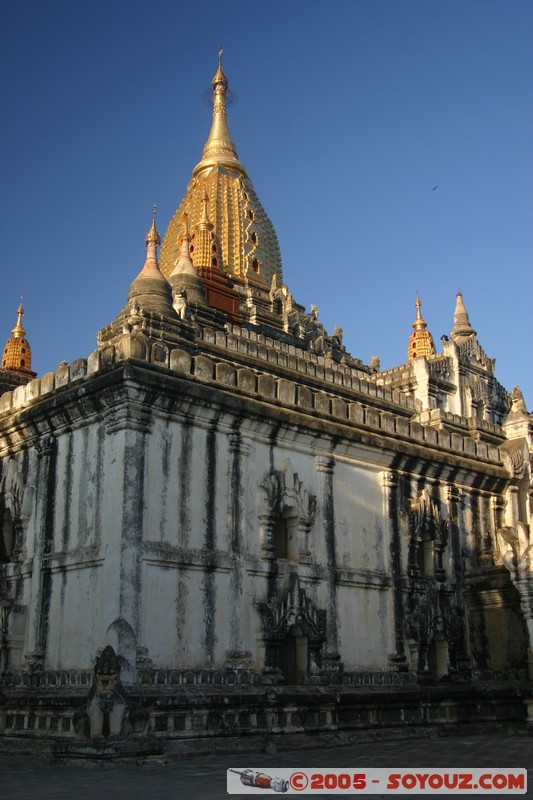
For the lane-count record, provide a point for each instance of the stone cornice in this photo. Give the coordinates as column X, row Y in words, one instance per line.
column 395, row 441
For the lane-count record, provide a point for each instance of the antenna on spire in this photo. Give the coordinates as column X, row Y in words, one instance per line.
column 231, row 96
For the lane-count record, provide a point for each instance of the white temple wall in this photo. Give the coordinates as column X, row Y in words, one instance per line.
column 359, row 523
column 366, row 637
column 75, row 630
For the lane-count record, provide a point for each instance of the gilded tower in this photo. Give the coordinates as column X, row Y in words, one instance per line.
column 420, row 341
column 17, row 352
column 229, row 229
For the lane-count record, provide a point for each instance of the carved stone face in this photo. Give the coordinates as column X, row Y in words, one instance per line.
column 105, row 683
column 107, row 667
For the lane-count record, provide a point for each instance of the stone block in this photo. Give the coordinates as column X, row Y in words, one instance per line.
column 402, row 426
column 62, row 375
column 444, row 439
column 469, row 446
column 482, row 450
column 6, row 401
column 225, row 374
column 322, row 403
column 180, row 361
column 232, row 342
column 417, row 431
column 339, row 408
column 456, row 441
column 493, row 453
column 33, row 389
column 356, row 412
column 78, row 369
column 372, row 417
column 220, row 339
column 203, row 368
column 266, row 386
column 107, row 356
column 93, row 362
column 387, row 421
column 209, row 335
column 286, row 392
column 430, row 435
column 305, row 397
column 160, row 354
column 48, row 382
column 246, row 380
column 19, row 396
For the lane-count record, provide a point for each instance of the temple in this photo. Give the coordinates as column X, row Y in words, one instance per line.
column 220, row 523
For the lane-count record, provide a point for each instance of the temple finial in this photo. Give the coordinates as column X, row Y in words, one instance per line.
column 421, row 341
column 17, row 352
column 152, row 237
column 461, row 323
column 219, row 147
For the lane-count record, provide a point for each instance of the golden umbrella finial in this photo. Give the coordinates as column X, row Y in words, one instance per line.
column 152, row 237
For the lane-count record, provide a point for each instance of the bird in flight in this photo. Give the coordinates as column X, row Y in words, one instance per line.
column 435, row 187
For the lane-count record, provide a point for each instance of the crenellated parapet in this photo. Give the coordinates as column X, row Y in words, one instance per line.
column 256, row 367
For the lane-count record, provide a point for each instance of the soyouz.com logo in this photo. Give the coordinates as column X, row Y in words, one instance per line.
column 409, row 780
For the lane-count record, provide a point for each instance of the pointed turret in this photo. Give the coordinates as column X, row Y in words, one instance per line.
column 17, row 352
column 219, row 147
column 420, row 341
column 150, row 290
column 184, row 277
column 205, row 245
column 461, row 323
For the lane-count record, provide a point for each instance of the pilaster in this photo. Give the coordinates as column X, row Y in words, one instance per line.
column 41, row 580
column 390, row 483
column 238, row 655
column 326, row 522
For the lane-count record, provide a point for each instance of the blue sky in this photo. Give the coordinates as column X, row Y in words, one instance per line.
column 348, row 114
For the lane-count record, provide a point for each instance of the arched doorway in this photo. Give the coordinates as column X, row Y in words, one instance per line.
column 293, row 656
column 437, row 657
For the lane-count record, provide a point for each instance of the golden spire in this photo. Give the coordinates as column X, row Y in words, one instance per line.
column 17, row 352
column 204, row 223
column 420, row 341
column 229, row 227
column 151, row 266
column 184, row 263
column 152, row 237
column 18, row 331
column 219, row 147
